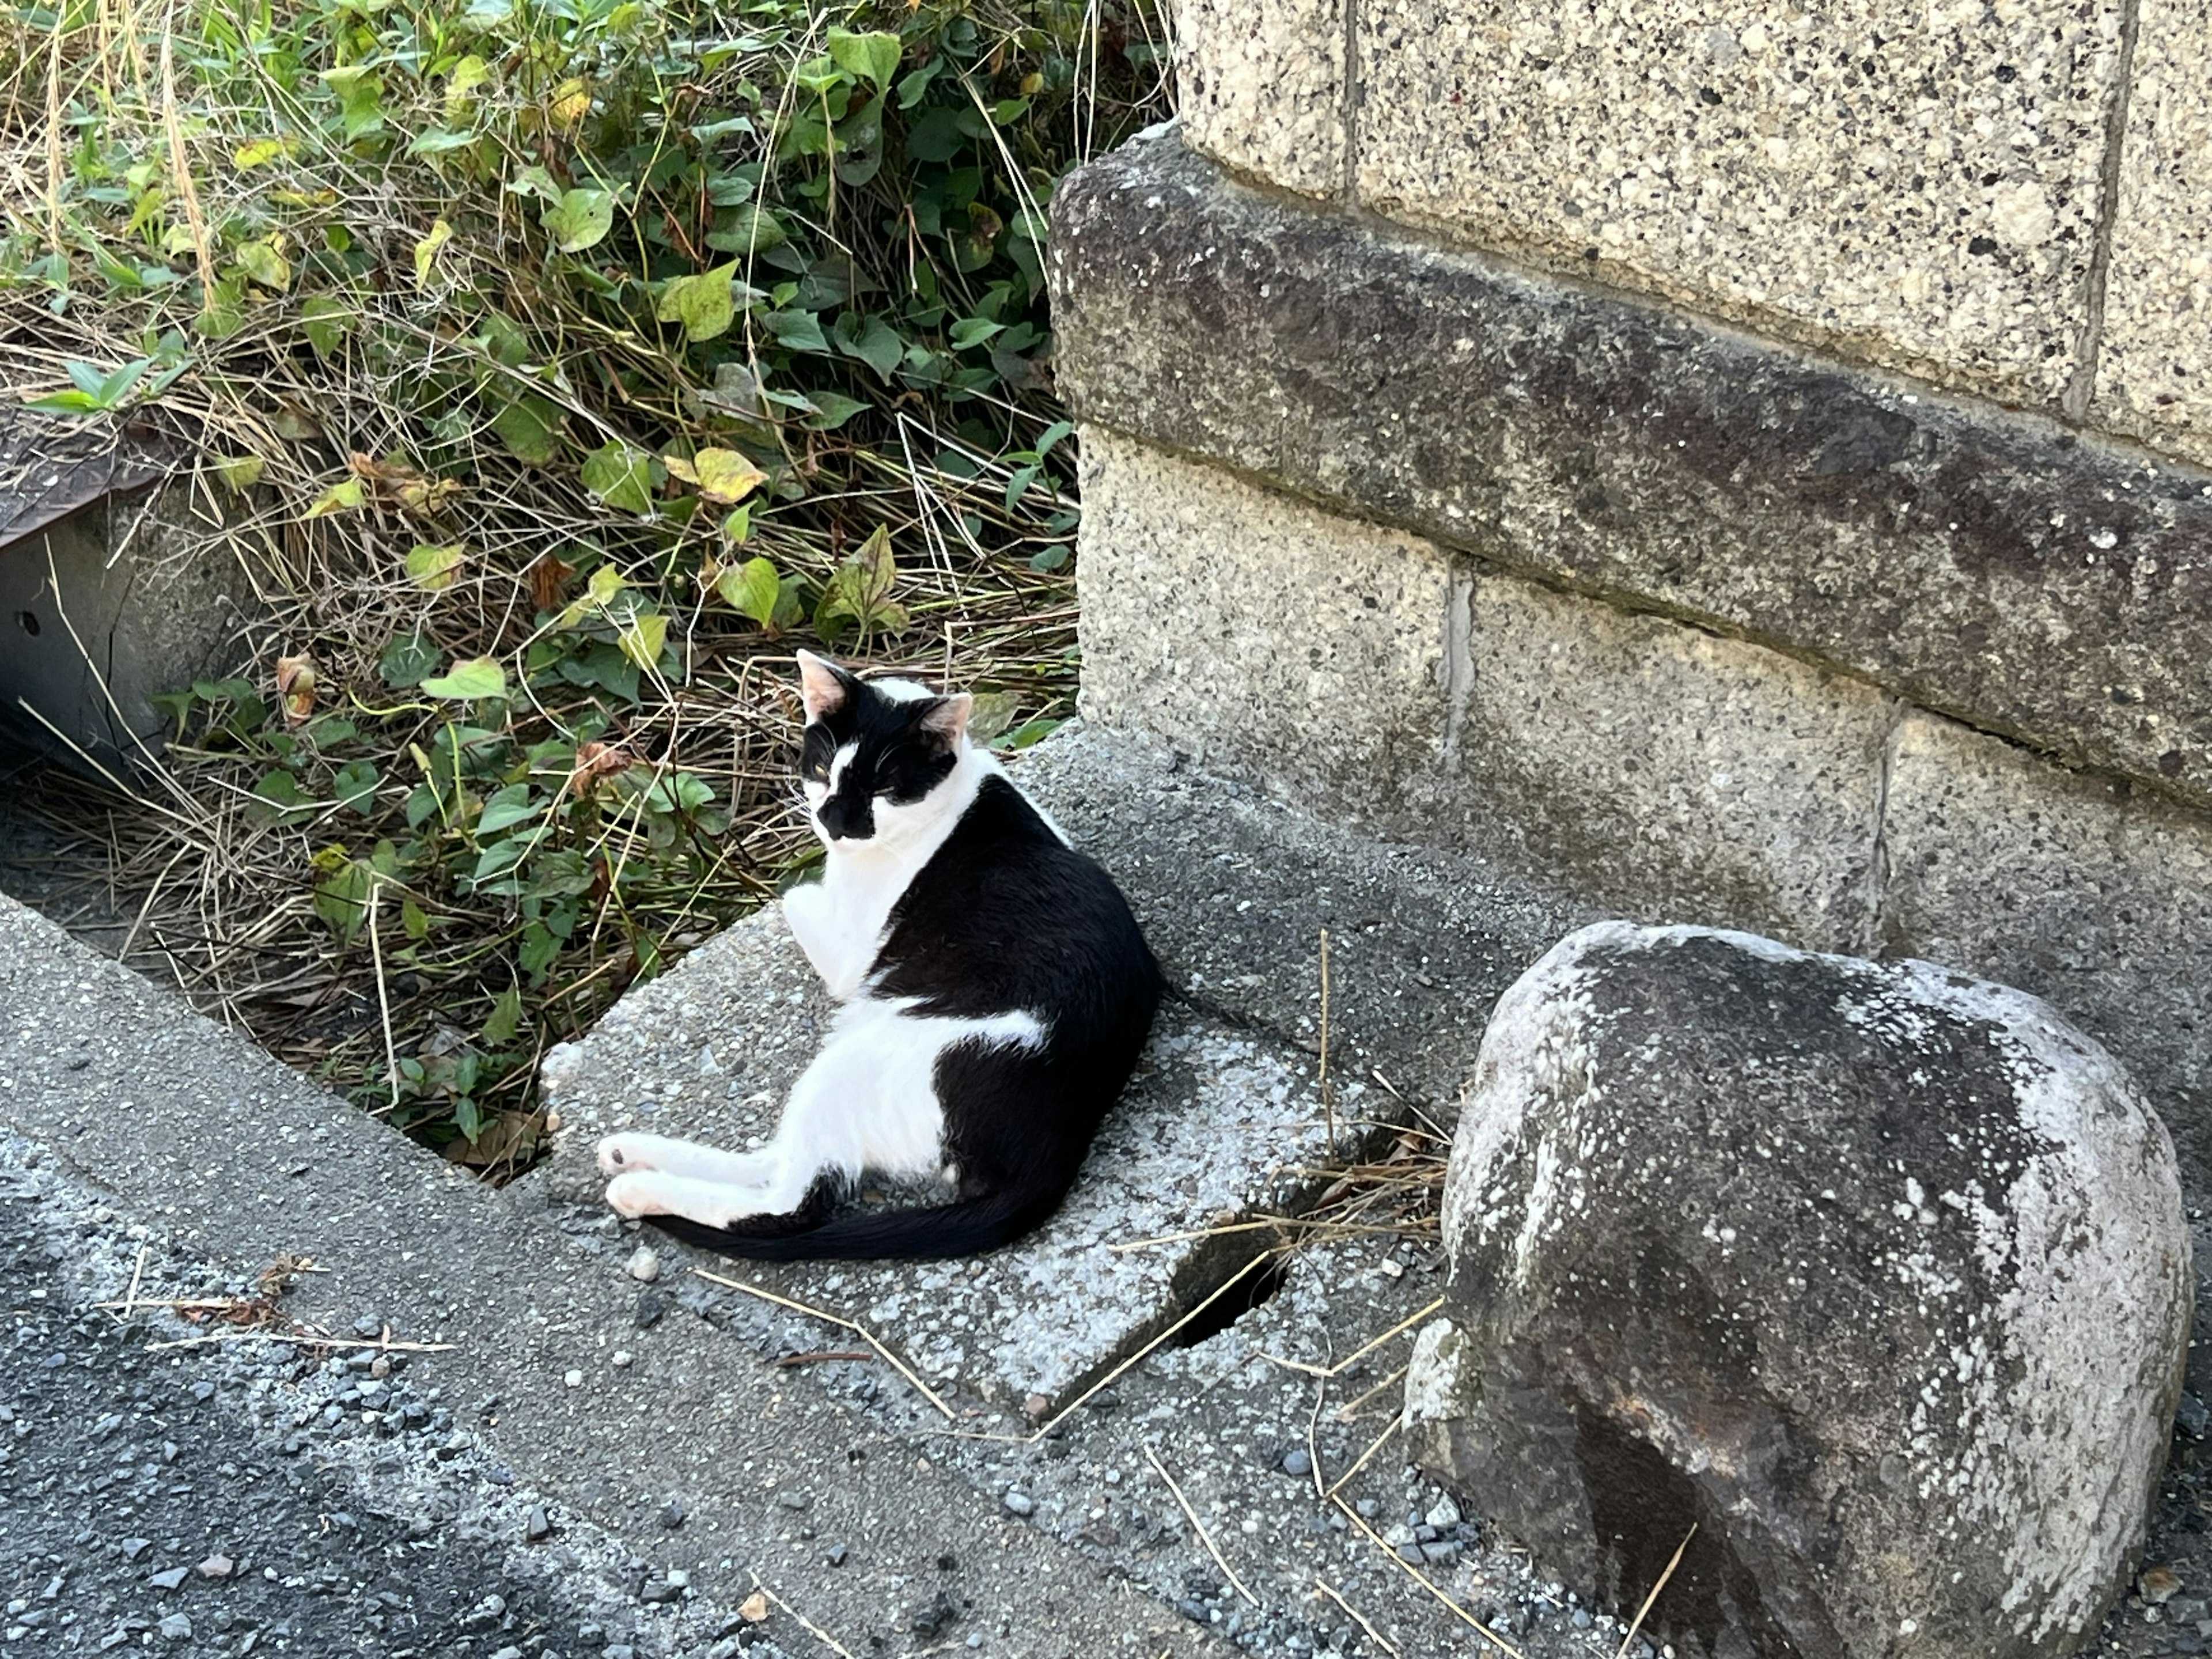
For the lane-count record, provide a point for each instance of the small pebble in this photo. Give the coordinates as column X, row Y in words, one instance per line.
column 651, row 1304
column 575, row 1379
column 169, row 1579
column 674, row 1513
column 215, row 1567
column 791, row 1500
column 836, row 1556
column 644, row 1266
column 1018, row 1501
column 176, row 1628
column 1298, row 1462
column 2159, row 1584
column 539, row 1526
column 132, row 1548
column 624, row 1359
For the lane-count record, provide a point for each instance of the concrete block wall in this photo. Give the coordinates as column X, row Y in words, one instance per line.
column 1695, row 624
column 2013, row 201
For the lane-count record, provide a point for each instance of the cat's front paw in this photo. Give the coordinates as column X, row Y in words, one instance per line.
column 620, row 1154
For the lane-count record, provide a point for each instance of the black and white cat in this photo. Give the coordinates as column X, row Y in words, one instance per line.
column 996, row 994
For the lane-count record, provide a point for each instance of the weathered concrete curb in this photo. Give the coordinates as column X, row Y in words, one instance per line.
column 1986, row 565
column 196, row 1131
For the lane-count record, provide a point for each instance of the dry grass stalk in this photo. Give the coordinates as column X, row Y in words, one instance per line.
column 843, row 1323
column 805, row 1622
column 1672, row 1562
column 1191, row 1516
column 1373, row 1634
column 1428, row 1584
column 1361, row 1351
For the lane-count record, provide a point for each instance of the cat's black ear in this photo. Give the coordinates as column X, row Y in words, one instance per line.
column 823, row 686
column 946, row 718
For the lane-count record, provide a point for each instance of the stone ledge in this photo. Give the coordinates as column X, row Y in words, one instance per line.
column 1990, row 566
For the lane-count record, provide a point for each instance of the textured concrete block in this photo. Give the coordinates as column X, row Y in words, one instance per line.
column 1915, row 183
column 1990, row 566
column 1263, row 88
column 1256, row 634
column 2095, row 896
column 1644, row 764
column 1676, row 775
column 709, row 1050
column 2154, row 365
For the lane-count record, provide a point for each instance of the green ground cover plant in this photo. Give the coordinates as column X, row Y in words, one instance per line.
column 552, row 366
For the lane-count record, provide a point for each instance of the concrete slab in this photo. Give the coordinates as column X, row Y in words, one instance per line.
column 1235, row 884
column 1216, row 1126
column 608, row 1410
column 2155, row 359
column 1915, row 185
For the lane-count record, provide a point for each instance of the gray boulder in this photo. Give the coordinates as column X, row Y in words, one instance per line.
column 1875, row 1273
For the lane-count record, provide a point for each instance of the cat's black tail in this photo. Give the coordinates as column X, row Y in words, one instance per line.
column 964, row 1228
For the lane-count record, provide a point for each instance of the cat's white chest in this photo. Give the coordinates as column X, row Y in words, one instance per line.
column 839, row 921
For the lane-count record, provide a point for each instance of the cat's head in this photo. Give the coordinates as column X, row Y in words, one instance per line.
column 874, row 754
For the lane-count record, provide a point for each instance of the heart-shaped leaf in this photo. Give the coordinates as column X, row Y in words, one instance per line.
column 468, row 680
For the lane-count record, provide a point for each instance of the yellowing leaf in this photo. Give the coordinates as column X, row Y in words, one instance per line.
column 338, row 498
column 426, row 250
column 265, row 264
column 752, row 589
column 239, row 473
column 260, row 152
column 606, row 583
column 433, row 568
column 572, row 102
column 641, row 639
column 468, row 74
column 703, row 302
column 471, row 678
column 721, row 475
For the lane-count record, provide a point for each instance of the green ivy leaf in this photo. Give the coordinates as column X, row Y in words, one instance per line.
column 530, row 426
column 407, row 661
column 279, row 797
column 752, row 589
column 326, row 322
column 356, row 786
column 468, row 680
column 622, row 475
column 509, row 806
column 874, row 55
column 832, row 410
column 874, row 342
column 580, row 219
column 859, row 592
column 801, row 331
column 505, row 1019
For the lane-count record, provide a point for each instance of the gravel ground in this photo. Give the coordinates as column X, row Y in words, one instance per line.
column 245, row 1498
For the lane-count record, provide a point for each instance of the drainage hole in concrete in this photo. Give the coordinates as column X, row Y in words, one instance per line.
column 29, row 620
column 1253, row 1288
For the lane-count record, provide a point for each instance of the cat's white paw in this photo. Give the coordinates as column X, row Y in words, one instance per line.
column 620, row 1154
column 634, row 1195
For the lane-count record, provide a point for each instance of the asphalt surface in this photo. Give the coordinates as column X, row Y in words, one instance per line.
column 223, row 1498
